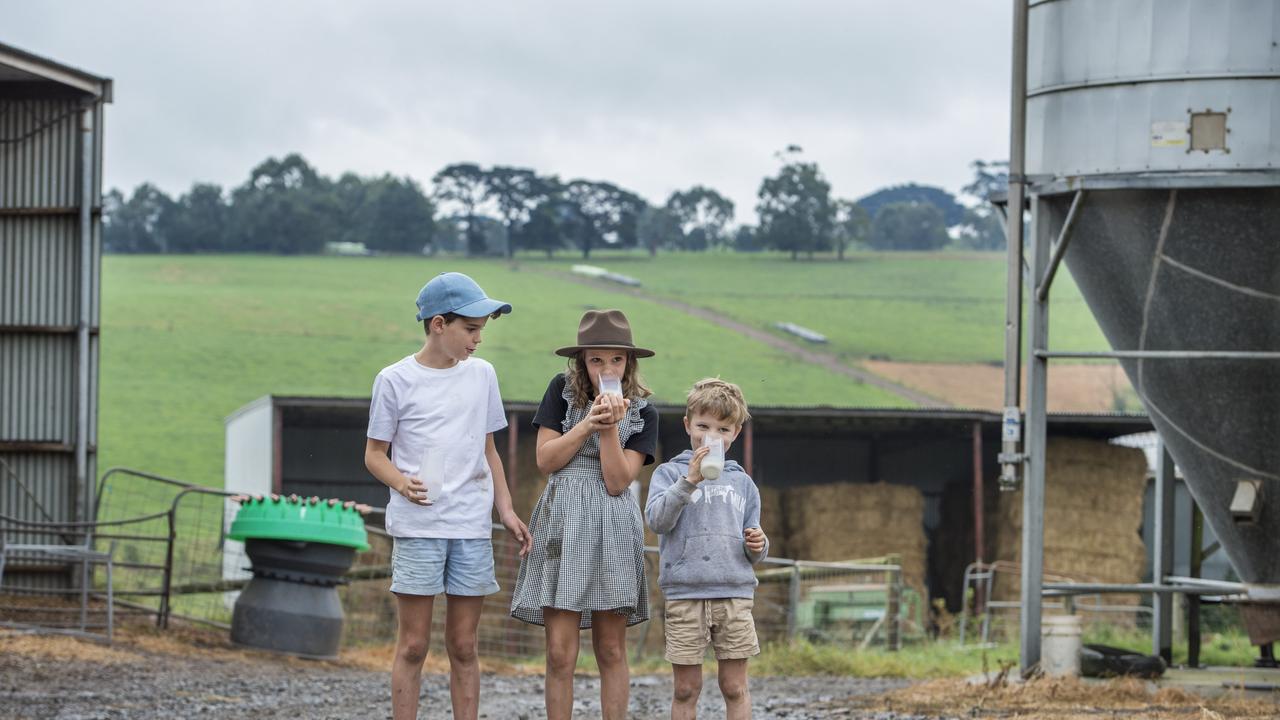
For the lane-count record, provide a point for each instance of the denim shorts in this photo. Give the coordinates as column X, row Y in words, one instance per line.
column 430, row 566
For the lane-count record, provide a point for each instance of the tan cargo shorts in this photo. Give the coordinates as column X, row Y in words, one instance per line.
column 725, row 624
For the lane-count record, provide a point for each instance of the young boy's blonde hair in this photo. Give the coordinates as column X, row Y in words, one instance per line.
column 719, row 398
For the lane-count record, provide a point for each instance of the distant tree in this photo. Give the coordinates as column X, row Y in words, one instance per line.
column 134, row 225
column 450, row 235
column 659, row 228
column 198, row 222
column 795, row 209
column 953, row 212
column 989, row 177
column 543, row 229
column 909, row 226
column 348, row 195
column 285, row 207
column 704, row 216
column 611, row 212
column 981, row 230
column 394, row 216
column 982, row 227
column 516, row 192
column 852, row 226
column 745, row 239
column 467, row 187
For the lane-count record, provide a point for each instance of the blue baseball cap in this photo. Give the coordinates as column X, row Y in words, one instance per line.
column 456, row 293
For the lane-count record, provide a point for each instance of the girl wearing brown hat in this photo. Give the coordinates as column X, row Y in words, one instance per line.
column 586, row 566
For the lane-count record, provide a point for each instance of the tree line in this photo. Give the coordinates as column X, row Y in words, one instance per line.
column 287, row 207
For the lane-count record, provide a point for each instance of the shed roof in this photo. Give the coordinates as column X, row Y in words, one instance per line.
column 1094, row 425
column 19, row 67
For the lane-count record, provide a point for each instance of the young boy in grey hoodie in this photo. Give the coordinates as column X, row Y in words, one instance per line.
column 711, row 537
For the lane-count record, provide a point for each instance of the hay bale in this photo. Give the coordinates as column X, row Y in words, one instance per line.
column 1093, row 516
column 848, row 521
column 773, row 520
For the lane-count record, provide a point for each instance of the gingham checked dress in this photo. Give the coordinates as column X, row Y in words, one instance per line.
column 588, row 545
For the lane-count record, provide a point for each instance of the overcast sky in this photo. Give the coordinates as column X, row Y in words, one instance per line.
column 654, row 96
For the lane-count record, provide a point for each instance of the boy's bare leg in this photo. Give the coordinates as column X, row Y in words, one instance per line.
column 733, row 685
column 609, row 640
column 562, row 658
column 462, row 619
column 412, row 639
column 688, row 682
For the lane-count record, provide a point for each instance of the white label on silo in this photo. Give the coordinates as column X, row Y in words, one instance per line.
column 1169, row 133
column 1012, row 425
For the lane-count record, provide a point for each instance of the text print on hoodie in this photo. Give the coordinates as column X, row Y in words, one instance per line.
column 702, row 552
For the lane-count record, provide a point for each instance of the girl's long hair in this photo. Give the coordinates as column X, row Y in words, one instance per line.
column 584, row 391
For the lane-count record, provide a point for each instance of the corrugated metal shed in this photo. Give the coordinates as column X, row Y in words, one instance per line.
column 50, row 255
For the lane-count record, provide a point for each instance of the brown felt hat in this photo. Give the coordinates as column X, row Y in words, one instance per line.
column 604, row 330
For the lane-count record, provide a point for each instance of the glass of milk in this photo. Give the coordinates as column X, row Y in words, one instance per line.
column 431, row 473
column 610, row 385
column 713, row 461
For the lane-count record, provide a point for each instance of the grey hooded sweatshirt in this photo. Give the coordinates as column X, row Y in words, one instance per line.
column 702, row 554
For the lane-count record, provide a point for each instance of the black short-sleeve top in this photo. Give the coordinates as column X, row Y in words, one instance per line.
column 554, row 407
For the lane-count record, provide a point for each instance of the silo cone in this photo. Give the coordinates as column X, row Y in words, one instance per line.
column 1199, row 269
column 299, row 551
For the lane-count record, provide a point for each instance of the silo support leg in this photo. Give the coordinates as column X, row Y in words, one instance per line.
column 1162, row 556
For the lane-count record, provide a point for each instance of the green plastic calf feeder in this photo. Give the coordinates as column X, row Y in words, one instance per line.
column 300, row 548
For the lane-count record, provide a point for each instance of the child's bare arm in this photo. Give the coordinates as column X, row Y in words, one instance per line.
column 754, row 540
column 618, row 465
column 502, row 498
column 377, row 462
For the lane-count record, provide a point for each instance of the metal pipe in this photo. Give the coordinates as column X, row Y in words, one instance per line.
column 1162, row 560
column 1193, row 601
column 1037, row 434
column 1060, row 247
column 1219, row 585
column 1012, row 428
column 1059, row 589
column 83, row 486
column 979, row 519
column 1161, row 354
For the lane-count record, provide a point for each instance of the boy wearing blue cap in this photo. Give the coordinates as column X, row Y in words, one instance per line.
column 430, row 441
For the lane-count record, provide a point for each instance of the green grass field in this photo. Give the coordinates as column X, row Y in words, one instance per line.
column 187, row 340
column 934, row 307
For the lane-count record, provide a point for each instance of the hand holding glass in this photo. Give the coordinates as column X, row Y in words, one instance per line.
column 713, row 461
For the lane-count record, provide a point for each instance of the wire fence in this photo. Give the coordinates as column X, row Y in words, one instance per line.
column 173, row 560
column 989, row 612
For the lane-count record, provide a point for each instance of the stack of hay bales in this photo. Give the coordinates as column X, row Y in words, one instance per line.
column 849, row 521
column 773, row 520
column 1093, row 517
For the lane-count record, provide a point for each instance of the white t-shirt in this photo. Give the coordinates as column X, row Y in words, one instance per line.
column 451, row 411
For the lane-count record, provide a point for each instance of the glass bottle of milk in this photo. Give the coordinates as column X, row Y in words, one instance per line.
column 713, row 461
column 431, row 472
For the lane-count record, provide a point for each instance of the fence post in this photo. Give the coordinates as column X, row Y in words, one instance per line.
column 895, row 609
column 162, row 618
column 793, row 601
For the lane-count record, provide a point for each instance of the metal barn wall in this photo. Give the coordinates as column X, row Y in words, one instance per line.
column 43, row 131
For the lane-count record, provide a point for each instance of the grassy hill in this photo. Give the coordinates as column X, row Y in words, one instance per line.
column 187, row 340
column 924, row 307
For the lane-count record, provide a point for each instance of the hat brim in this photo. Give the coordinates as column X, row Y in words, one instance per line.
column 572, row 350
column 483, row 307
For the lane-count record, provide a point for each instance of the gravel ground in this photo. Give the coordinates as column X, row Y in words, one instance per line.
column 65, row 679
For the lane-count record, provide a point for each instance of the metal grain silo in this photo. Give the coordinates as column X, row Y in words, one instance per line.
column 50, row 245
column 1152, row 165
